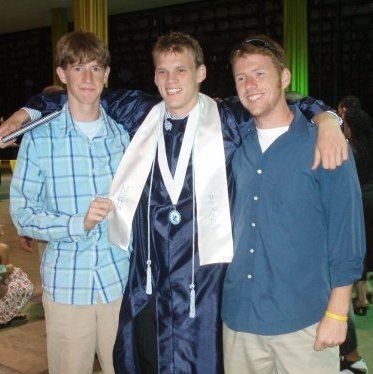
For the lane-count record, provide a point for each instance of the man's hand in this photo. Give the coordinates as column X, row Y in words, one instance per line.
column 97, row 212
column 330, row 333
column 13, row 123
column 25, row 243
column 331, row 148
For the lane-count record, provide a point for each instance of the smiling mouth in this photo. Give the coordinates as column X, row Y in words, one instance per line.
column 173, row 91
column 252, row 98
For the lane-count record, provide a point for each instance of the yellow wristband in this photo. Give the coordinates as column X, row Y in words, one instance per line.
column 338, row 317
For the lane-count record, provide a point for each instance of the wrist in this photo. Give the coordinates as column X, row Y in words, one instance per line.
column 336, row 116
column 335, row 316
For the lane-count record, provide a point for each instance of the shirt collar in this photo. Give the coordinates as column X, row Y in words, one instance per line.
column 109, row 127
column 297, row 124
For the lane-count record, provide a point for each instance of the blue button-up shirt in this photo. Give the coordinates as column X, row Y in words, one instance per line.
column 298, row 233
column 59, row 171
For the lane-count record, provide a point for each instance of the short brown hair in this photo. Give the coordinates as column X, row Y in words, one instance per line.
column 262, row 45
column 177, row 42
column 81, row 47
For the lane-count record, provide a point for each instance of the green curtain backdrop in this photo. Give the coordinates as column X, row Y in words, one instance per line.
column 296, row 44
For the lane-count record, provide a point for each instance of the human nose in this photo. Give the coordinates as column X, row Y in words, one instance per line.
column 251, row 82
column 171, row 76
column 87, row 75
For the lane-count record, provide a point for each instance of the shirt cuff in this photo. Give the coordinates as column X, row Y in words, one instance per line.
column 76, row 227
column 33, row 113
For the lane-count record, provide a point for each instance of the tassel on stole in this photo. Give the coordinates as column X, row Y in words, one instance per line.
column 192, row 306
column 148, row 290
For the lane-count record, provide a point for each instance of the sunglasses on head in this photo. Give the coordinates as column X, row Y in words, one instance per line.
column 259, row 43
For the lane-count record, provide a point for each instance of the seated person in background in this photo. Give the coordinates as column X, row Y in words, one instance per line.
column 15, row 288
column 357, row 127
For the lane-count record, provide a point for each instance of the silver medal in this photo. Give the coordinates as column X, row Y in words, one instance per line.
column 167, row 125
column 174, row 217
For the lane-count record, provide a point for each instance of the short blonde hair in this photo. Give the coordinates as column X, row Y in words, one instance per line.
column 179, row 42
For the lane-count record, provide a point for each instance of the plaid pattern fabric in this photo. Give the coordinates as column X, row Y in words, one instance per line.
column 59, row 171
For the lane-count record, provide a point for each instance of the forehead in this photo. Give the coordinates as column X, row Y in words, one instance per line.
column 86, row 63
column 253, row 61
column 170, row 58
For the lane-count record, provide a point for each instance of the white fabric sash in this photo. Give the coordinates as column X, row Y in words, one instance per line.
column 213, row 214
column 175, row 184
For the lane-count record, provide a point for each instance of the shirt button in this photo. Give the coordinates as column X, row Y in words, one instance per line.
column 256, row 198
column 249, row 276
column 252, row 250
column 253, row 224
column 259, row 171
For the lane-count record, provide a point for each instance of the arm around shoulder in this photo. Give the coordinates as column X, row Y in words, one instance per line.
column 13, row 123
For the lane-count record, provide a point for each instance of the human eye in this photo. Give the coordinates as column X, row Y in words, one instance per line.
column 97, row 69
column 77, row 68
column 240, row 78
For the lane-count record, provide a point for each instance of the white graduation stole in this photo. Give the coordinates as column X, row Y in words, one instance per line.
column 215, row 241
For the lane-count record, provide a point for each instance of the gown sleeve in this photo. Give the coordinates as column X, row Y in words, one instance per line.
column 310, row 106
column 47, row 104
column 127, row 107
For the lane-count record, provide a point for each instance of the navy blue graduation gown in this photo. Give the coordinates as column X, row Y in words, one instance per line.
column 184, row 344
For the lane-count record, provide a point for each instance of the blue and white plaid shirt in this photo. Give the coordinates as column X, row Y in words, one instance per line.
column 59, row 171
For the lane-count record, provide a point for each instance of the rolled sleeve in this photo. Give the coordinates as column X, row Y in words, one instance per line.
column 76, row 228
column 344, row 214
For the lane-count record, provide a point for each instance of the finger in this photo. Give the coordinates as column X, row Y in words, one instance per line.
column 325, row 160
column 109, row 204
column 101, row 211
column 338, row 158
column 7, row 144
column 105, row 207
column 317, row 159
column 345, row 152
column 318, row 346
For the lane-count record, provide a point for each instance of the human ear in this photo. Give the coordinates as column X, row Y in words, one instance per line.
column 285, row 78
column 61, row 74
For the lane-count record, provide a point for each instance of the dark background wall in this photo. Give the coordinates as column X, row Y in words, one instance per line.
column 340, row 47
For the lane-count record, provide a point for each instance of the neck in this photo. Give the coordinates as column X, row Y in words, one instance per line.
column 176, row 116
column 181, row 113
column 84, row 112
column 279, row 116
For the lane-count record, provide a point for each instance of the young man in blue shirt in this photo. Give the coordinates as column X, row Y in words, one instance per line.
column 63, row 170
column 298, row 232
